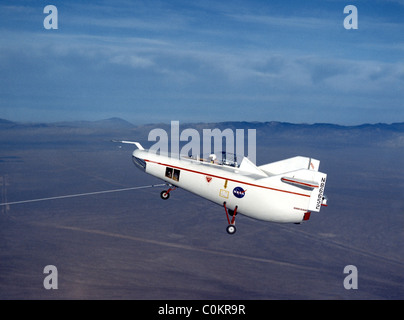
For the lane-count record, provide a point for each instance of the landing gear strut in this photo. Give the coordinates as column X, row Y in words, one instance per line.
column 231, row 228
column 165, row 194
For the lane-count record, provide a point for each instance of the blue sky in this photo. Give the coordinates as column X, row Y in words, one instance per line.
column 203, row 61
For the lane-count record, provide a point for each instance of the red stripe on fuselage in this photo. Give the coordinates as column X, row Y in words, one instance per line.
column 219, row 177
column 299, row 182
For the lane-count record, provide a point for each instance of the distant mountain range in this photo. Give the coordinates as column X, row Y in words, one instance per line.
column 119, row 123
column 107, row 123
column 273, row 132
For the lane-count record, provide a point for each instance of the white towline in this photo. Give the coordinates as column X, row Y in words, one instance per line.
column 82, row 194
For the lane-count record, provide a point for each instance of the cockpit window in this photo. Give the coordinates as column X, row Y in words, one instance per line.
column 223, row 159
column 169, row 172
column 176, row 176
column 173, row 173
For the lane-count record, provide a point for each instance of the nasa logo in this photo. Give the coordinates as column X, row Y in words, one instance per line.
column 239, row 192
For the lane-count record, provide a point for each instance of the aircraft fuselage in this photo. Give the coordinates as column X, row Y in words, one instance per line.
column 254, row 194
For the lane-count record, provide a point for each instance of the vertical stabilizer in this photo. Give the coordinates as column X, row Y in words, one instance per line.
column 317, row 195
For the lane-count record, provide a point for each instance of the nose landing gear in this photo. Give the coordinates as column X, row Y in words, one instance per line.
column 165, row 194
column 231, row 228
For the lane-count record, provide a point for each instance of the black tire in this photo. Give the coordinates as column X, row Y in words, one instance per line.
column 164, row 195
column 231, row 229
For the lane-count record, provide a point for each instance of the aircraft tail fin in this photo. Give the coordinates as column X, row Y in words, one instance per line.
column 290, row 164
column 317, row 196
column 247, row 166
column 309, row 180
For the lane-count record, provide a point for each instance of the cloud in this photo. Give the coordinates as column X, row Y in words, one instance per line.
column 295, row 22
column 132, row 61
column 321, row 69
column 400, row 2
column 218, row 61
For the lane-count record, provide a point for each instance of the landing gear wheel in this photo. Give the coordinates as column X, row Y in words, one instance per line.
column 231, row 229
column 164, row 195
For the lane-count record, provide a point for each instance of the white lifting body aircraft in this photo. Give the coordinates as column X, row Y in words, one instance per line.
column 283, row 191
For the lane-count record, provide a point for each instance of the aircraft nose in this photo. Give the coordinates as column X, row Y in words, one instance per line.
column 138, row 161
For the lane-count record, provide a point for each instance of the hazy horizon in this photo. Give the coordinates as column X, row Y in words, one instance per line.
column 197, row 122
